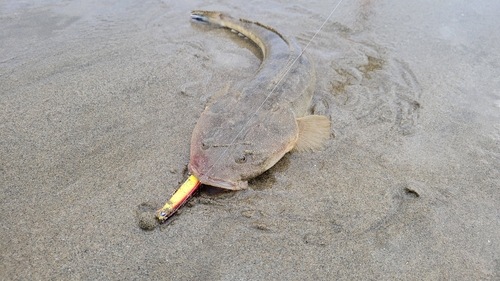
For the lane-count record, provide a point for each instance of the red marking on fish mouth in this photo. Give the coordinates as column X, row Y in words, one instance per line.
column 205, row 179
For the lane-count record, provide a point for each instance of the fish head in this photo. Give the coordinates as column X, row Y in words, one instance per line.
column 225, row 167
column 226, row 155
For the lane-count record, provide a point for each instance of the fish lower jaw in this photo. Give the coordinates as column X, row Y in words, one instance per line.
column 204, row 179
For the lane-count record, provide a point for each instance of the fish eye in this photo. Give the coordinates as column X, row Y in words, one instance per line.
column 240, row 160
column 204, row 146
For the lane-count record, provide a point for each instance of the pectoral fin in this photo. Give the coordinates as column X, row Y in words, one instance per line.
column 219, row 93
column 314, row 130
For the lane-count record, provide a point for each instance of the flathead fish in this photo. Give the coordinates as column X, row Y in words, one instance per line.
column 246, row 128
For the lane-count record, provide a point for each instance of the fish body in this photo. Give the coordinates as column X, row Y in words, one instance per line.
column 246, row 128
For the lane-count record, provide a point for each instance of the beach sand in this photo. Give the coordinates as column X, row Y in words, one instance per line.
column 98, row 102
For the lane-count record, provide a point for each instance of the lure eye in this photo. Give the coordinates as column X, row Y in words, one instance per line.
column 163, row 214
column 241, row 159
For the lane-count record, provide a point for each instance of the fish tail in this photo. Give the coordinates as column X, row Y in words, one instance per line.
column 216, row 18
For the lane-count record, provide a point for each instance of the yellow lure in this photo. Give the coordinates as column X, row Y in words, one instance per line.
column 180, row 197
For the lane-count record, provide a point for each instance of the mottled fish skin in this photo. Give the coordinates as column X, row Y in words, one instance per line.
column 264, row 136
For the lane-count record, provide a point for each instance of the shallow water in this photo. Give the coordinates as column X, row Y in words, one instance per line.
column 98, row 102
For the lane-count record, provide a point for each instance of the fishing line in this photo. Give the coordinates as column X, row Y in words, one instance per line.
column 274, row 88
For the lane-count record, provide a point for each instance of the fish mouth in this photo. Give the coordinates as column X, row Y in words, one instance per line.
column 205, row 179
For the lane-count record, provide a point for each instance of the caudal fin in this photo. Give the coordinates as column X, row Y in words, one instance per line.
column 211, row 17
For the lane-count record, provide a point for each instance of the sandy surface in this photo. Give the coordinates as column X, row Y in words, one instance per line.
column 97, row 105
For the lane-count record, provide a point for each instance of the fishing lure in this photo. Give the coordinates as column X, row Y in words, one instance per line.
column 180, row 196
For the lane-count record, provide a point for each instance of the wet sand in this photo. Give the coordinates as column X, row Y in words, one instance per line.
column 97, row 105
